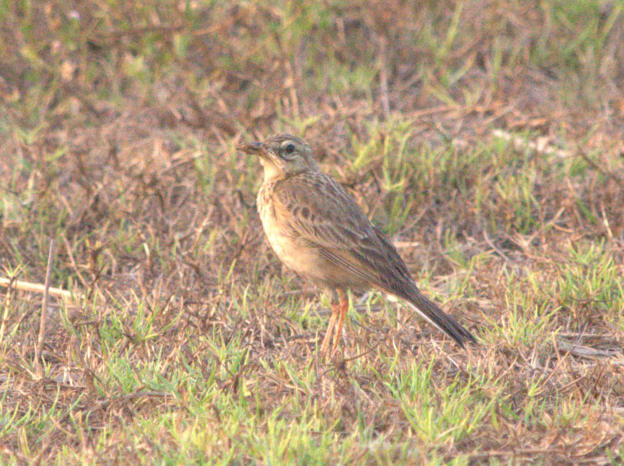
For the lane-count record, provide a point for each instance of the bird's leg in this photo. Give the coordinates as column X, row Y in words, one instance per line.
column 330, row 327
column 344, row 307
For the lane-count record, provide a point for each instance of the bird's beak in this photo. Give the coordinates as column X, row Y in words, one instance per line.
column 251, row 147
column 260, row 149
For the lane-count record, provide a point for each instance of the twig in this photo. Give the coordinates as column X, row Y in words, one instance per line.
column 5, row 314
column 493, row 246
column 383, row 78
column 44, row 308
column 586, row 352
column 33, row 287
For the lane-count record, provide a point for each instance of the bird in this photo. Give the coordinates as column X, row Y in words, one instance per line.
column 320, row 232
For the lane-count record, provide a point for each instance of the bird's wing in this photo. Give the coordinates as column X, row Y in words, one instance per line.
column 320, row 212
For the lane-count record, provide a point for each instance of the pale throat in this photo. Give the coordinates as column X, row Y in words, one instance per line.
column 271, row 171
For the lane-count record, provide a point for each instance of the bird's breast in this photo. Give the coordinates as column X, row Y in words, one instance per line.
column 284, row 241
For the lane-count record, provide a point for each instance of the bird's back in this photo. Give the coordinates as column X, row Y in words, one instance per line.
column 309, row 214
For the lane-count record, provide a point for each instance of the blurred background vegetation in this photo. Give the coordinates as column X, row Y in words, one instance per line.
column 486, row 137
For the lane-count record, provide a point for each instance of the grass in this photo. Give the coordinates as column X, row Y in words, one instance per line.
column 483, row 137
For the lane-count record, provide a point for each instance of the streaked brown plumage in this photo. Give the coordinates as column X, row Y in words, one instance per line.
column 320, row 232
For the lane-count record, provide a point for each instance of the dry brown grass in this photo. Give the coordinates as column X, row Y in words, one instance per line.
column 485, row 137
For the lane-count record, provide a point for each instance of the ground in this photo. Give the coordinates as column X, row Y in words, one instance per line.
column 484, row 137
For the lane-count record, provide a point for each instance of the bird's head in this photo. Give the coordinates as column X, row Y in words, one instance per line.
column 282, row 155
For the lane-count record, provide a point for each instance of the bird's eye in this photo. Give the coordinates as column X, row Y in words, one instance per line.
column 289, row 148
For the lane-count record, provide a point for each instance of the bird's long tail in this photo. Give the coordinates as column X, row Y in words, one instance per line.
column 435, row 316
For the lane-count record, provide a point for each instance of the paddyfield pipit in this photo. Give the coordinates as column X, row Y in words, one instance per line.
column 319, row 231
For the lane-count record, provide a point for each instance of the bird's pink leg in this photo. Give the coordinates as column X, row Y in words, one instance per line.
column 330, row 327
column 344, row 307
